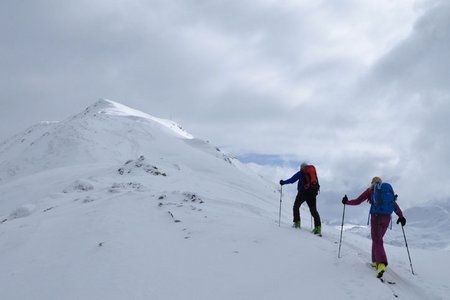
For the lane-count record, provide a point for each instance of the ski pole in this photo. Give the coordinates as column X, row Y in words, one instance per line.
column 311, row 222
column 342, row 227
column 409, row 256
column 281, row 197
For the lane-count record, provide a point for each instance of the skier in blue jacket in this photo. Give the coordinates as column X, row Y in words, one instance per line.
column 303, row 195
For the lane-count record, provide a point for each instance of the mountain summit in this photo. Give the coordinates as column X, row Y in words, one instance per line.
column 111, row 108
column 104, row 132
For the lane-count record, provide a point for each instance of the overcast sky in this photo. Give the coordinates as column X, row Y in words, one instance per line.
column 358, row 87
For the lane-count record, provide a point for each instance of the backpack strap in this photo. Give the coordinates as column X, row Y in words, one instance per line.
column 377, row 190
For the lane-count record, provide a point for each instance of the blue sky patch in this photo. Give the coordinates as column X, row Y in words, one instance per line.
column 267, row 159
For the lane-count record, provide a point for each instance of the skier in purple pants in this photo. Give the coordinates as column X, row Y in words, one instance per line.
column 379, row 225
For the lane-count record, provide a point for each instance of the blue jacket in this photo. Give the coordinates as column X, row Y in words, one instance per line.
column 297, row 176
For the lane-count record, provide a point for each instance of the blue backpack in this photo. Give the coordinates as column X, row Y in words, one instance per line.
column 383, row 199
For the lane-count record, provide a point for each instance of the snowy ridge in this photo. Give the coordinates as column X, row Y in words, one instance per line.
column 104, row 132
column 30, row 133
column 118, row 109
column 112, row 205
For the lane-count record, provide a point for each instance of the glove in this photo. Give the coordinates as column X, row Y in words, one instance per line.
column 402, row 221
column 345, row 200
column 281, row 182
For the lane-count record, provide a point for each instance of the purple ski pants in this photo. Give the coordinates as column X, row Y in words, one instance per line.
column 379, row 226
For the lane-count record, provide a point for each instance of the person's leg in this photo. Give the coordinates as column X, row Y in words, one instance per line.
column 312, row 204
column 297, row 203
column 379, row 226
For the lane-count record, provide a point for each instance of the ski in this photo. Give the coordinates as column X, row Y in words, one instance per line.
column 381, row 278
column 386, row 281
column 389, row 283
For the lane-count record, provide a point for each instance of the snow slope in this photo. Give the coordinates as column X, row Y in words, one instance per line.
column 113, row 203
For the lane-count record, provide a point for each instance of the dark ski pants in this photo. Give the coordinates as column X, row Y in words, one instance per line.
column 378, row 227
column 310, row 198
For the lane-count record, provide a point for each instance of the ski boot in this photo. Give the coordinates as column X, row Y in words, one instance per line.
column 317, row 230
column 381, row 269
column 297, row 224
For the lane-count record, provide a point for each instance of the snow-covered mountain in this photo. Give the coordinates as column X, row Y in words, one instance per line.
column 105, row 132
column 113, row 203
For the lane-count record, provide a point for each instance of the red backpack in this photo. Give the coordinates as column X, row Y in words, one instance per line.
column 311, row 181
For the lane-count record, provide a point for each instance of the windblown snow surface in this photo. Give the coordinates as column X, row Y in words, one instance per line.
column 113, row 203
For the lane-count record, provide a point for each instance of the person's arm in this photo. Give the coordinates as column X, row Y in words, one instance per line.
column 293, row 179
column 364, row 196
column 401, row 219
column 398, row 210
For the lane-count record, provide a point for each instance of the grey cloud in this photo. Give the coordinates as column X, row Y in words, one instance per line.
column 139, row 53
column 411, row 85
column 420, row 64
